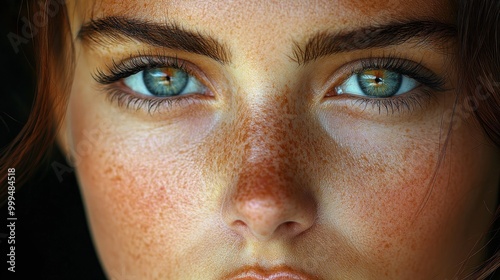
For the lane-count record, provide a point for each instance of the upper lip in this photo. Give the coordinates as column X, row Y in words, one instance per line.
column 278, row 273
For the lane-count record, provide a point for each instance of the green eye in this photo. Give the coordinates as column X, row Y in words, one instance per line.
column 377, row 83
column 163, row 82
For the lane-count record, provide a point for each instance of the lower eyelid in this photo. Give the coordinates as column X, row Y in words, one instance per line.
column 416, row 99
column 132, row 101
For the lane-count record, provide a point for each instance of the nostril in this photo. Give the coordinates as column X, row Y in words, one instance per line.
column 265, row 217
column 291, row 226
column 239, row 223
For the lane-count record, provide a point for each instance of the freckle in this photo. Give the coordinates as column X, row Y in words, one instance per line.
column 381, row 168
column 107, row 171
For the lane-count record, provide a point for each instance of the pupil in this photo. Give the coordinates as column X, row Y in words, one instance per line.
column 379, row 82
column 164, row 82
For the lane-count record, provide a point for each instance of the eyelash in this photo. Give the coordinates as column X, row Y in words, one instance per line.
column 430, row 82
column 134, row 65
column 117, row 71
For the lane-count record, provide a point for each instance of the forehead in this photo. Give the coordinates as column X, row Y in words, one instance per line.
column 260, row 17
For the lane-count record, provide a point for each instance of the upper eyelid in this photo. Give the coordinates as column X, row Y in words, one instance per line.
column 133, row 65
column 412, row 69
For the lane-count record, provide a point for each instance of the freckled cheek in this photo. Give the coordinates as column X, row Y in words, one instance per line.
column 383, row 203
column 378, row 210
column 384, row 178
column 145, row 211
column 142, row 190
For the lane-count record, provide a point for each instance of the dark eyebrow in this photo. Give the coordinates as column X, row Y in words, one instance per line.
column 168, row 35
column 323, row 43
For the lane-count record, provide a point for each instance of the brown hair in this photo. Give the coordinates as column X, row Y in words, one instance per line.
column 53, row 51
column 478, row 25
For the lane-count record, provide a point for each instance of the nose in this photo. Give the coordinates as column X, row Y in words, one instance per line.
column 266, row 205
column 268, row 197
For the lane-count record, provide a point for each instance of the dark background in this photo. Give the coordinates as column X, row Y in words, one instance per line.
column 52, row 236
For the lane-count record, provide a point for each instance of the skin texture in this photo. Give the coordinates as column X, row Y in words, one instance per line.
column 266, row 170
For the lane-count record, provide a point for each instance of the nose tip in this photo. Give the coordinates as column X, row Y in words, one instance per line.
column 265, row 205
column 265, row 218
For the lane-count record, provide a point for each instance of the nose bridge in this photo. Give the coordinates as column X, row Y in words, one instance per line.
column 266, row 194
column 266, row 141
column 269, row 130
column 266, row 176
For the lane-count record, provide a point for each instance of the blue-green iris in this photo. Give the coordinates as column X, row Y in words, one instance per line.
column 165, row 81
column 379, row 83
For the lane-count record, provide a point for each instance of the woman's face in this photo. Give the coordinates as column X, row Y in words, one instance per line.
column 219, row 139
